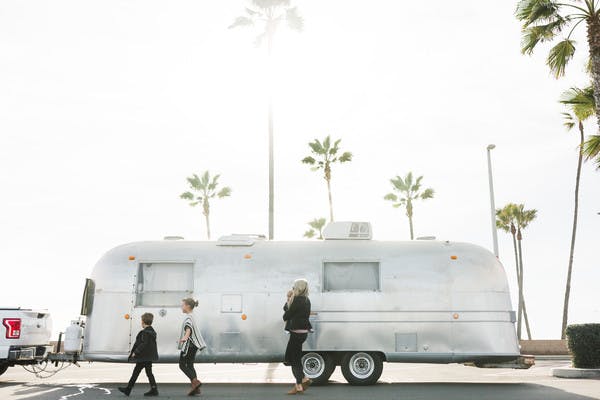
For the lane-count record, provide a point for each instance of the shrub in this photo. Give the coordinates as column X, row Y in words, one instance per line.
column 584, row 343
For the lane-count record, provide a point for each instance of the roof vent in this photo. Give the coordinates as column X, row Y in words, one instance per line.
column 348, row 230
column 239, row 239
column 426, row 238
column 173, row 238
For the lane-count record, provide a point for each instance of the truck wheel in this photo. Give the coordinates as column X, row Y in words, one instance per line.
column 361, row 368
column 3, row 368
column 318, row 367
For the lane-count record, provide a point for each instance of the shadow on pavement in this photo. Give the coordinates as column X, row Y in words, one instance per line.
column 413, row 391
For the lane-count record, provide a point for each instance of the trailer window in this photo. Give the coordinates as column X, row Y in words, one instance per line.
column 164, row 284
column 88, row 297
column 351, row 276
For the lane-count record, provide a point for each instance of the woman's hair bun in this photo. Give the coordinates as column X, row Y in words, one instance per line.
column 190, row 302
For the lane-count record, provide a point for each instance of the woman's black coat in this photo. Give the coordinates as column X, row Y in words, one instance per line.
column 296, row 316
column 144, row 347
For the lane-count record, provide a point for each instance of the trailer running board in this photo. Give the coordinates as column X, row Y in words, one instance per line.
column 521, row 362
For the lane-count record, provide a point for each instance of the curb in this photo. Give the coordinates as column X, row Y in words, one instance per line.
column 580, row 373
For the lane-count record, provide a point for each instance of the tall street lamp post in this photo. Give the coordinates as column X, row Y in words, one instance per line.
column 490, row 147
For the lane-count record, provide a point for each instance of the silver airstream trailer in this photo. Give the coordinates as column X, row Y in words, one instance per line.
column 372, row 301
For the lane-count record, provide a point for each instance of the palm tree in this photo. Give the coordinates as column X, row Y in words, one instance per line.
column 326, row 155
column 544, row 20
column 206, row 189
column 523, row 218
column 269, row 14
column 505, row 220
column 581, row 104
column 409, row 192
column 316, row 225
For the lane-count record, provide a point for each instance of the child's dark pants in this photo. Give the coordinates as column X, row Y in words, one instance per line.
column 136, row 372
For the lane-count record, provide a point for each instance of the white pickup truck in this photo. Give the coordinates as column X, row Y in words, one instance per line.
column 24, row 337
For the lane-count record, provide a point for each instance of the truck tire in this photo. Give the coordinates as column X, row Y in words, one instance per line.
column 318, row 367
column 3, row 368
column 361, row 368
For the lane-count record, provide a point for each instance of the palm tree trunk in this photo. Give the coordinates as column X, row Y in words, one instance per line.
column 519, row 288
column 526, row 319
column 207, row 226
column 271, row 157
column 410, row 224
column 520, row 309
column 206, row 212
column 593, row 36
column 573, row 234
column 523, row 309
column 330, row 201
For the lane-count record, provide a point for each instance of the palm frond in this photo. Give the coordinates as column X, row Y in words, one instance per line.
column 533, row 35
column 399, row 184
column 294, row 20
column 345, row 157
column 318, row 223
column 591, row 147
column 503, row 219
column 580, row 101
column 241, row 21
column 390, row 197
column 569, row 121
column 535, row 11
column 327, row 144
column 225, row 192
column 559, row 56
column 187, row 196
column 194, row 182
column 409, row 179
column 317, row 147
column 310, row 234
column 309, row 160
column 427, row 194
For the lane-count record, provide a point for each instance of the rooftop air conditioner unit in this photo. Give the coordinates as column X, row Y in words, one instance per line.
column 348, row 230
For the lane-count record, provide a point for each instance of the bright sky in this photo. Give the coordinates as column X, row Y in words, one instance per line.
column 106, row 107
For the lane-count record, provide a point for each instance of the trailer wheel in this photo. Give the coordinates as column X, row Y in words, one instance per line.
column 318, row 367
column 3, row 368
column 361, row 368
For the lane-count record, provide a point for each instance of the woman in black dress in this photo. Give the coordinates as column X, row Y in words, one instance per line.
column 296, row 314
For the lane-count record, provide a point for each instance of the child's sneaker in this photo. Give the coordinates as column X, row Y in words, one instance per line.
column 153, row 392
column 125, row 390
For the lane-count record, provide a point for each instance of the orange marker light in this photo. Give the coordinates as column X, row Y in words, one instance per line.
column 455, row 316
column 131, row 258
column 244, row 317
column 453, row 257
column 127, row 316
column 247, row 256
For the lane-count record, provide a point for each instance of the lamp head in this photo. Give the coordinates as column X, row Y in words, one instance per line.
column 491, row 146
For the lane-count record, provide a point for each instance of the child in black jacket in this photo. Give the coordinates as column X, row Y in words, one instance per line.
column 143, row 353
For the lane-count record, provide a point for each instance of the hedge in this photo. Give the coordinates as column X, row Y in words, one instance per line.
column 584, row 344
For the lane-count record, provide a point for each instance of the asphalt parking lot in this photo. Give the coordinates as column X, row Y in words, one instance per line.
column 271, row 381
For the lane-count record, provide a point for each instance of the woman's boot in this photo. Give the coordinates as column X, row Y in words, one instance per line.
column 195, row 387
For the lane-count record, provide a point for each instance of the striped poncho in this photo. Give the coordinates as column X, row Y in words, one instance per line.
column 195, row 338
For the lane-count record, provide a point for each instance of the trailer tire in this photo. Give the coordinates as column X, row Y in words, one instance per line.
column 318, row 367
column 361, row 368
column 3, row 368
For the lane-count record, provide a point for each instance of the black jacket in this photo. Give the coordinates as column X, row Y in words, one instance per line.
column 296, row 316
column 144, row 347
